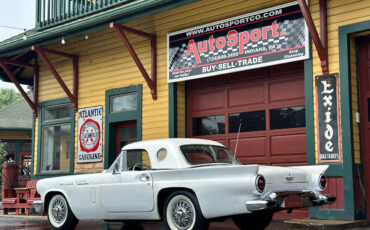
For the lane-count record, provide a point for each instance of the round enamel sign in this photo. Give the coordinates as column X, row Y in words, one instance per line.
column 89, row 136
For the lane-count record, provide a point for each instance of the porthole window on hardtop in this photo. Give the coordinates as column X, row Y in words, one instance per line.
column 161, row 154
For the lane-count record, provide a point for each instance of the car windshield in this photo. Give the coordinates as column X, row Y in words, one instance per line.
column 207, row 154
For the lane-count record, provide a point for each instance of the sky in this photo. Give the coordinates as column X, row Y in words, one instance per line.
column 15, row 13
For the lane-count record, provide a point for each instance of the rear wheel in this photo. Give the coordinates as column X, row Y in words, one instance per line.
column 253, row 221
column 182, row 212
column 60, row 215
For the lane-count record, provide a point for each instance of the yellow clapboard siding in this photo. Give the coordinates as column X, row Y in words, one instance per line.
column 341, row 13
column 105, row 63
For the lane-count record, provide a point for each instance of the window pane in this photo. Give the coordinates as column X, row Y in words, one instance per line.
column 55, row 148
column 123, row 103
column 26, row 147
column 124, row 133
column 26, row 161
column 211, row 125
column 284, row 118
column 9, row 147
column 56, row 112
column 248, row 121
column 137, row 156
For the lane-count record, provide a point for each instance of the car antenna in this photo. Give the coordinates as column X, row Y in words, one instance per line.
column 237, row 140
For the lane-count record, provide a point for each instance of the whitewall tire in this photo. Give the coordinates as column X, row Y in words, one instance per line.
column 60, row 215
column 182, row 212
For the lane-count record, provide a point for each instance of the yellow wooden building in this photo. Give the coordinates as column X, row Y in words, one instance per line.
column 107, row 73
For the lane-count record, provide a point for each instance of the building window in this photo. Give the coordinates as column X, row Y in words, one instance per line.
column 124, row 102
column 210, row 125
column 284, row 118
column 247, row 121
column 57, row 129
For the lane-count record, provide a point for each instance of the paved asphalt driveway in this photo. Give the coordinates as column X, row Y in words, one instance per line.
column 37, row 223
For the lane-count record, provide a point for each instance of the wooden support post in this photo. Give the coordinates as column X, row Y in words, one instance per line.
column 320, row 44
column 42, row 54
column 151, row 81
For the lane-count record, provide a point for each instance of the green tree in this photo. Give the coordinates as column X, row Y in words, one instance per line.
column 8, row 96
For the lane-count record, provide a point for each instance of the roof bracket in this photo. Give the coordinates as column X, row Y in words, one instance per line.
column 42, row 54
column 4, row 65
column 151, row 81
column 321, row 43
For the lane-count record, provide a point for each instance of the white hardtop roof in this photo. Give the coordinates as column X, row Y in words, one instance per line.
column 171, row 141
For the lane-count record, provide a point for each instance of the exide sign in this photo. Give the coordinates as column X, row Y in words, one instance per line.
column 272, row 36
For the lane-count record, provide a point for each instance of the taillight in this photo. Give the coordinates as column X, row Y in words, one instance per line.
column 322, row 181
column 260, row 183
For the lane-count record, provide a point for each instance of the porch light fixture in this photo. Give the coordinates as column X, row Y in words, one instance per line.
column 16, row 28
column 63, row 41
column 86, row 37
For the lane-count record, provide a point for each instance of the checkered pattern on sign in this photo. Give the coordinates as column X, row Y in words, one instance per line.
column 292, row 35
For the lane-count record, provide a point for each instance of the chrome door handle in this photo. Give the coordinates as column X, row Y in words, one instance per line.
column 144, row 178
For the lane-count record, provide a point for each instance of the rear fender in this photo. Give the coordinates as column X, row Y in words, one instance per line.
column 315, row 172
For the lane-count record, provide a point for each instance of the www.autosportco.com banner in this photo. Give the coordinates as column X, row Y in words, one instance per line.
column 272, row 36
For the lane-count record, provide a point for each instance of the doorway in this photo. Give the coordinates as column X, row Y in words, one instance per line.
column 364, row 96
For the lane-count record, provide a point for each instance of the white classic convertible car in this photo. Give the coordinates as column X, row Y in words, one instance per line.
column 185, row 182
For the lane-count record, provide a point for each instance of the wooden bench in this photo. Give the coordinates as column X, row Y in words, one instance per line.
column 24, row 198
column 9, row 199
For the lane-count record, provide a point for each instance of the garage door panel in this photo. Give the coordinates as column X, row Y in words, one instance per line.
column 207, row 101
column 240, row 96
column 249, row 147
column 291, row 89
column 251, row 75
column 288, row 144
column 286, row 69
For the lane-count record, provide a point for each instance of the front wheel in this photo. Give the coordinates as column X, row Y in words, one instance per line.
column 182, row 212
column 255, row 221
column 60, row 215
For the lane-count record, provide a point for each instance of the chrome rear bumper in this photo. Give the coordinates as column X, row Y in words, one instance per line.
column 276, row 201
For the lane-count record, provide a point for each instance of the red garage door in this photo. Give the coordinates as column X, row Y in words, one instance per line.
column 268, row 106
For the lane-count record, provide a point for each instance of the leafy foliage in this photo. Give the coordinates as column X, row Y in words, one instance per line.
column 8, row 96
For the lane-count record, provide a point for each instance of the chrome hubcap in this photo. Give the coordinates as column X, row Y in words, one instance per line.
column 182, row 214
column 59, row 210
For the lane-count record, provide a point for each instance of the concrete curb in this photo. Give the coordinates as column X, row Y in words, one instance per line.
column 23, row 216
column 313, row 224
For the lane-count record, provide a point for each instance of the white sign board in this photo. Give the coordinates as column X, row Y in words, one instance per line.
column 90, row 134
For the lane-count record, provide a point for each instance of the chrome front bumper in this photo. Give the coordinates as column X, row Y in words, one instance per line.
column 276, row 201
column 38, row 206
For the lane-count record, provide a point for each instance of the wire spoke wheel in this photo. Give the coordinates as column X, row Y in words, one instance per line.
column 59, row 210
column 182, row 212
column 60, row 215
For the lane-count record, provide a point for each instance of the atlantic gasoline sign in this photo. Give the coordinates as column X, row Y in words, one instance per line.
column 264, row 38
column 90, row 134
column 328, row 120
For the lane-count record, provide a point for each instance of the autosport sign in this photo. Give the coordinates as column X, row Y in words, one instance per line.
column 264, row 38
column 90, row 134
